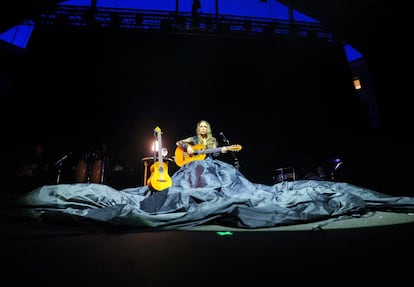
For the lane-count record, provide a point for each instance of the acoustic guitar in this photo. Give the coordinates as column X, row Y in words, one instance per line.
column 159, row 178
column 200, row 152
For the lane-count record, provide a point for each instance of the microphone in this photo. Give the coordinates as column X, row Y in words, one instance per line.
column 224, row 138
column 63, row 158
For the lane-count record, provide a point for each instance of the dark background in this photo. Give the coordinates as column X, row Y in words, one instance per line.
column 72, row 93
column 299, row 105
column 287, row 101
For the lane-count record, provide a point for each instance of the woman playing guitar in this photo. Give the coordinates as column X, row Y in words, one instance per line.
column 197, row 157
column 204, row 137
column 199, row 146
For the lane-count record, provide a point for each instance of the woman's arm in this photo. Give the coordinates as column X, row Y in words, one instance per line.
column 186, row 144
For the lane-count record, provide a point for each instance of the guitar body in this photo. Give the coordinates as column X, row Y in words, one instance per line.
column 200, row 152
column 159, row 179
column 182, row 157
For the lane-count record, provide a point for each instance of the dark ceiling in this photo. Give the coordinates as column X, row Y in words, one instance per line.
column 17, row 11
column 380, row 30
column 360, row 23
column 366, row 25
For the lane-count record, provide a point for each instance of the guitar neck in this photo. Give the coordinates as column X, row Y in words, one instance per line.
column 159, row 138
column 211, row 150
column 182, row 157
column 160, row 159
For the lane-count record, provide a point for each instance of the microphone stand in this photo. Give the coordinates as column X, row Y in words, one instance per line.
column 59, row 164
column 235, row 159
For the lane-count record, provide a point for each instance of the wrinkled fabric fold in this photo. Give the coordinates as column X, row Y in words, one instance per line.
column 210, row 192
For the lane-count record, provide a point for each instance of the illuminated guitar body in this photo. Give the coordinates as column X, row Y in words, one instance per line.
column 200, row 153
column 159, row 179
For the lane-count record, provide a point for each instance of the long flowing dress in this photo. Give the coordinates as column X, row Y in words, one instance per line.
column 209, row 191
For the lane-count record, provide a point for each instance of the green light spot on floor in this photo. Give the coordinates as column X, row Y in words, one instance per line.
column 224, row 233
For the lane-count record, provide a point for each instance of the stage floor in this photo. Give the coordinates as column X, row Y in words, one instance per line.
column 369, row 249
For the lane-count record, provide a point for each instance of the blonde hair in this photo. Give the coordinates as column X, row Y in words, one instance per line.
column 211, row 141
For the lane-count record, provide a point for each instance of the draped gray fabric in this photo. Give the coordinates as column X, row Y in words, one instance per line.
column 209, row 191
